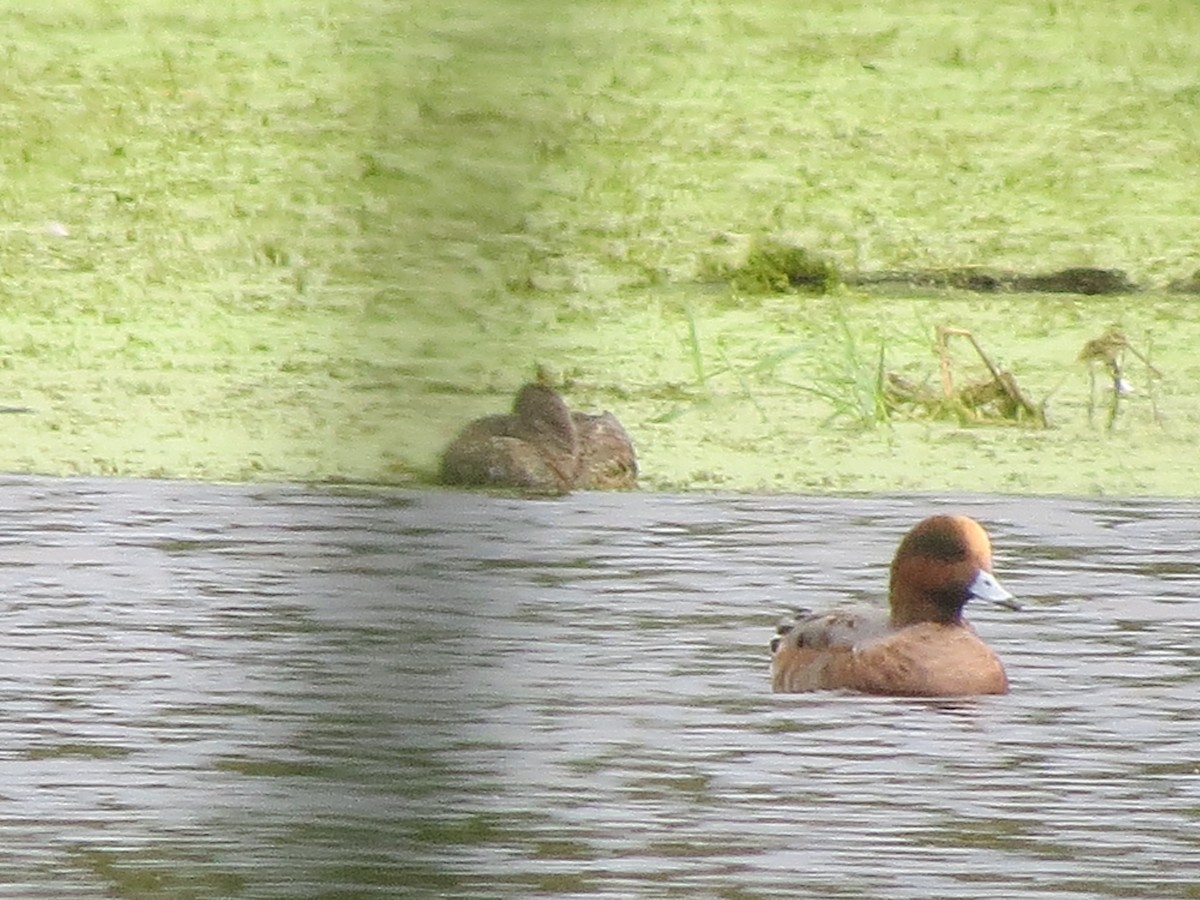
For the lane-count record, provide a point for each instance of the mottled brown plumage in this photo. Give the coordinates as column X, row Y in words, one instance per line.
column 542, row 447
column 606, row 458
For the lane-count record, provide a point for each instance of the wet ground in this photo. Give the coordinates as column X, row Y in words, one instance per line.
column 285, row 692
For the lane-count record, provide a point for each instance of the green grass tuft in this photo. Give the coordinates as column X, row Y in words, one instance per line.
column 773, row 266
column 850, row 380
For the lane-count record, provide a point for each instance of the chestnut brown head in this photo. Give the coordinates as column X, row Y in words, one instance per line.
column 942, row 563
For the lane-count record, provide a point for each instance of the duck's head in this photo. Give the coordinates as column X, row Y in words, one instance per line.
column 942, row 563
column 545, row 418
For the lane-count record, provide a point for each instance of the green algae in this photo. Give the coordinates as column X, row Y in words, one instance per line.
column 752, row 427
column 311, row 242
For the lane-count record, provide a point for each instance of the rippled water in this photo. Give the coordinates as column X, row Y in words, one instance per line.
column 215, row 691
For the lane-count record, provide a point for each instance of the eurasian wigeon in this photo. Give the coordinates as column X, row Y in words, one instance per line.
column 542, row 446
column 923, row 646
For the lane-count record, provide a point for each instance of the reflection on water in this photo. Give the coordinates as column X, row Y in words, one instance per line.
column 281, row 692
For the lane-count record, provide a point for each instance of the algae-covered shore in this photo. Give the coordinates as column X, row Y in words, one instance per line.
column 309, row 241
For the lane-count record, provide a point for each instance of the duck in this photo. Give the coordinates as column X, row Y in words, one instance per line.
column 542, row 446
column 922, row 646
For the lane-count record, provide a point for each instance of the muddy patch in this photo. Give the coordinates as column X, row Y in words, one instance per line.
column 1077, row 280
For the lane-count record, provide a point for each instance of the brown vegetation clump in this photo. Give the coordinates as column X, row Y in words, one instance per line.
column 1109, row 350
column 994, row 400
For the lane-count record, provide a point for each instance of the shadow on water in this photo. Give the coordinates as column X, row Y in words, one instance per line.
column 282, row 692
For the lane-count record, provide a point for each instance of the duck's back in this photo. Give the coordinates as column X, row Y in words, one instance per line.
column 843, row 627
column 808, row 649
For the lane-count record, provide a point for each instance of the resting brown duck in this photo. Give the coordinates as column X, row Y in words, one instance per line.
column 542, row 446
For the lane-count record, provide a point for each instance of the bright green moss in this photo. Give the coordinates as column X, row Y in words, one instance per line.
column 309, row 241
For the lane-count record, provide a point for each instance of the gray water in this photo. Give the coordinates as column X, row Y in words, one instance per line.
column 214, row 691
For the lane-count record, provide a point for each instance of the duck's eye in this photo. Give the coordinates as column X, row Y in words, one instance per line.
column 774, row 644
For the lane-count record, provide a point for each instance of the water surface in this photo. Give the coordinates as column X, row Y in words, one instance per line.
column 288, row 692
